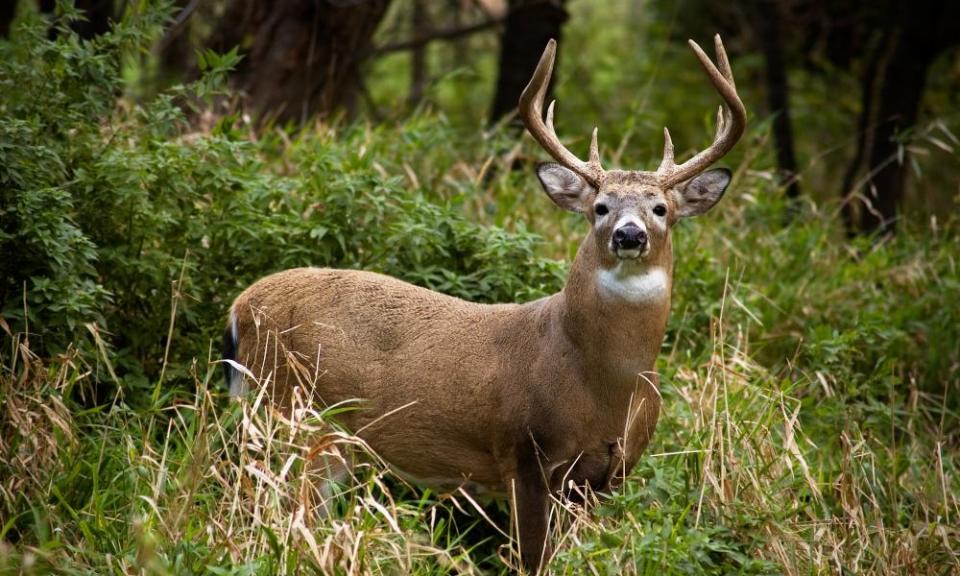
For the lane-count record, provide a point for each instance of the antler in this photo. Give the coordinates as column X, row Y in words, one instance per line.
column 531, row 112
column 731, row 121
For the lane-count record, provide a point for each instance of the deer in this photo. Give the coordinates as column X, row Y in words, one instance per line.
column 522, row 401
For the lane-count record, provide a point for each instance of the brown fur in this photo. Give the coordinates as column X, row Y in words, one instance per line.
column 513, row 399
column 482, row 378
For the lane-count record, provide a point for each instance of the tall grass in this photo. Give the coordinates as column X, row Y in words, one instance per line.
column 810, row 384
column 809, row 462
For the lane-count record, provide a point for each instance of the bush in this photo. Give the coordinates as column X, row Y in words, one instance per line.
column 112, row 212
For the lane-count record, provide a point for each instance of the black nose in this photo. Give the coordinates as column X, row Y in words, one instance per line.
column 629, row 237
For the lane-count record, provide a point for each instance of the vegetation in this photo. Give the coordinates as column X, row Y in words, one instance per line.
column 810, row 383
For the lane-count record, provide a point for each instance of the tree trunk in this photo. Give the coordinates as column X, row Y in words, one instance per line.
column 301, row 57
column 175, row 51
column 900, row 98
column 8, row 10
column 778, row 94
column 876, row 53
column 530, row 24
column 459, row 54
column 419, row 74
column 924, row 29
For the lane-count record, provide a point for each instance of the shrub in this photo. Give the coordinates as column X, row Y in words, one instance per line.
column 113, row 213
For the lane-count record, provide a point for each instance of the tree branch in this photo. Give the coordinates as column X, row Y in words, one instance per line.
column 440, row 34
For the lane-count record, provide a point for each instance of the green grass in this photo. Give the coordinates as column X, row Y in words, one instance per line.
column 810, row 383
column 809, row 426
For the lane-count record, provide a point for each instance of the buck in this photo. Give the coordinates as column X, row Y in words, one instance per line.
column 521, row 400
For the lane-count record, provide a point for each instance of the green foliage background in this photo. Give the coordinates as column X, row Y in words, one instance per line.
column 125, row 232
column 109, row 212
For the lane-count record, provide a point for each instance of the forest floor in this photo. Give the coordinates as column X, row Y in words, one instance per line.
column 808, row 426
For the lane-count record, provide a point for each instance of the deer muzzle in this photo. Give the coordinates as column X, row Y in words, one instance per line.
column 629, row 241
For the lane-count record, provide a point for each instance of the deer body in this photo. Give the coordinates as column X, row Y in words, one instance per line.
column 522, row 400
column 464, row 382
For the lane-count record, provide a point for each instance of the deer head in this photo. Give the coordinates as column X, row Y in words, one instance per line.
column 631, row 211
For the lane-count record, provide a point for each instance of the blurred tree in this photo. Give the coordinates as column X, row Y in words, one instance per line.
column 921, row 31
column 529, row 25
column 419, row 23
column 890, row 45
column 874, row 54
column 301, row 57
column 767, row 26
column 778, row 91
column 419, row 74
column 96, row 16
column 175, row 52
column 7, row 12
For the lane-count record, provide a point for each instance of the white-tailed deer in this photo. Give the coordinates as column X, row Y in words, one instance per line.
column 519, row 400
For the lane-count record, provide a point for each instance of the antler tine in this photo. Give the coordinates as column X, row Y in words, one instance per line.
column 721, row 124
column 552, row 131
column 594, row 148
column 667, row 164
column 723, row 63
column 731, row 120
column 531, row 112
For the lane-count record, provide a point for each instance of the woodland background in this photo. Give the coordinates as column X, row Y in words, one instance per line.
column 157, row 157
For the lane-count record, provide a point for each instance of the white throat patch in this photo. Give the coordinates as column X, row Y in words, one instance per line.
column 633, row 284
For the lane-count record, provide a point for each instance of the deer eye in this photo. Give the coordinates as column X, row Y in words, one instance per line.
column 601, row 209
column 660, row 210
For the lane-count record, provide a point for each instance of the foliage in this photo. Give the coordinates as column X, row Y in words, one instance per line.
column 113, row 213
column 810, row 385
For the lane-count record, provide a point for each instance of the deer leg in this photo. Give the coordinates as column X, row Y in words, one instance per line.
column 324, row 471
column 335, row 472
column 532, row 518
column 530, row 505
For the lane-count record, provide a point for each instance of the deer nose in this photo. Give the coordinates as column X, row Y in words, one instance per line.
column 629, row 237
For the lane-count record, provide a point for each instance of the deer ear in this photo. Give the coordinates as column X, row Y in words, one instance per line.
column 565, row 187
column 701, row 193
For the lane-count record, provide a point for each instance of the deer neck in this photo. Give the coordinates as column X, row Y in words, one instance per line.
column 615, row 314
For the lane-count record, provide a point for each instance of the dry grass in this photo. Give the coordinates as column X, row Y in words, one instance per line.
column 248, row 486
column 754, row 469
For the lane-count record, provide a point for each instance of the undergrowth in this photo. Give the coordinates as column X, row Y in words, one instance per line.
column 810, row 383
